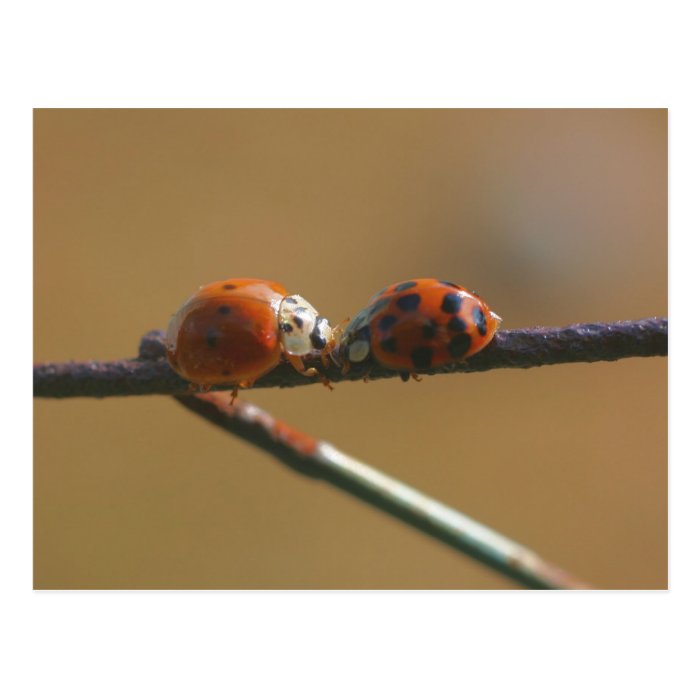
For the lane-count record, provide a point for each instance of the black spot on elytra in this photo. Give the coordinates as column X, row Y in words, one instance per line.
column 451, row 303
column 225, row 372
column 457, row 325
column 422, row 358
column 450, row 284
column 404, row 286
column 286, row 327
column 298, row 322
column 388, row 345
column 459, row 345
column 430, row 330
column 229, row 286
column 479, row 319
column 223, row 310
column 386, row 322
column 408, row 302
column 317, row 340
column 212, row 337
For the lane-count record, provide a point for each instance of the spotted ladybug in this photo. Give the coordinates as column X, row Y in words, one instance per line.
column 234, row 331
column 418, row 325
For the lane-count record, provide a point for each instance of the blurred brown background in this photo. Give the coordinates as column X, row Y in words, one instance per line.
column 554, row 216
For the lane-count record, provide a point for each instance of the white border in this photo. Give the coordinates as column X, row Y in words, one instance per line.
column 361, row 55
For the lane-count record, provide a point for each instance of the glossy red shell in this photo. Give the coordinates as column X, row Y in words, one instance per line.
column 227, row 332
column 422, row 323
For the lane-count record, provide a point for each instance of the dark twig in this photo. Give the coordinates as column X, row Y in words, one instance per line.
column 522, row 348
column 319, row 459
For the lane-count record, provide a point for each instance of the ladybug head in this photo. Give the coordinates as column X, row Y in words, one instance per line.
column 302, row 329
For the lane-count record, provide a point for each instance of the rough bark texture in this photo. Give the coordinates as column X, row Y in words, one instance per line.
column 520, row 348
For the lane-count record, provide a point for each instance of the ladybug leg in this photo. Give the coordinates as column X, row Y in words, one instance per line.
column 327, row 354
column 325, row 361
column 244, row 384
column 298, row 364
column 405, row 376
column 330, row 351
column 416, row 377
column 338, row 330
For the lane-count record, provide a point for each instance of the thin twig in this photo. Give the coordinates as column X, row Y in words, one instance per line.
column 522, row 348
column 319, row 459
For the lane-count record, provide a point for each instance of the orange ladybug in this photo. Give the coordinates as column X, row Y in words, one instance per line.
column 417, row 325
column 234, row 331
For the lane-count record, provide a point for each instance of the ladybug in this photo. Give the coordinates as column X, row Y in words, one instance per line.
column 418, row 325
column 234, row 331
